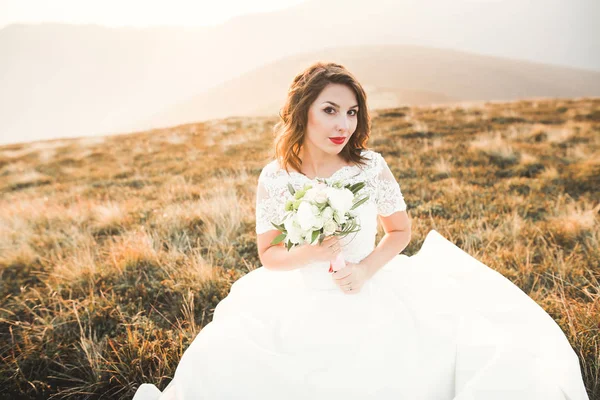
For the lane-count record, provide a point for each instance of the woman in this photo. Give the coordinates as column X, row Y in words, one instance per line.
column 437, row 325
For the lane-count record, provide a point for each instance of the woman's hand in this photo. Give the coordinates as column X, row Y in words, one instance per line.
column 328, row 250
column 351, row 278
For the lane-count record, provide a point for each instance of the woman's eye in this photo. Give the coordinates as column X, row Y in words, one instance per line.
column 328, row 109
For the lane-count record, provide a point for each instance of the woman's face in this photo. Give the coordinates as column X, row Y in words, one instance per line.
column 332, row 115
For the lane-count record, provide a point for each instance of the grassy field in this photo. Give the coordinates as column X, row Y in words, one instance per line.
column 114, row 251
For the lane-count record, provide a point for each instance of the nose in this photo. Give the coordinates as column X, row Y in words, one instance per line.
column 343, row 124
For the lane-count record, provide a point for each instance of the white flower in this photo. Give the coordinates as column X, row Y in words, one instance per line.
column 307, row 215
column 308, row 237
column 340, row 199
column 339, row 218
column 319, row 222
column 321, row 197
column 310, row 194
column 329, row 227
column 294, row 232
column 327, row 213
column 317, row 195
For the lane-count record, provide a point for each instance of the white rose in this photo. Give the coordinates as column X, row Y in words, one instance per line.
column 340, row 199
column 307, row 215
column 316, row 194
column 339, row 218
column 327, row 213
column 319, row 221
column 310, row 194
column 329, row 227
column 321, row 196
column 294, row 232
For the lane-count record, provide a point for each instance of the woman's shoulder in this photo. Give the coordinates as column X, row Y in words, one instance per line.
column 374, row 160
column 370, row 154
column 270, row 168
column 272, row 174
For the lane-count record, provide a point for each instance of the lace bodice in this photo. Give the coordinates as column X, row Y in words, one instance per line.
column 385, row 198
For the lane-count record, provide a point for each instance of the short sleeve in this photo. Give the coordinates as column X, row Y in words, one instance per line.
column 389, row 197
column 270, row 201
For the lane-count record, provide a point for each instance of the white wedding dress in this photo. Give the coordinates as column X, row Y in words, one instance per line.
column 437, row 325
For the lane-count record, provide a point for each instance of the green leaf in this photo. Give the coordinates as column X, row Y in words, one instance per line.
column 352, row 188
column 345, row 227
column 280, row 227
column 321, row 238
column 315, row 234
column 279, row 238
column 289, row 245
column 297, row 204
column 350, row 227
column 291, row 189
column 359, row 202
column 357, row 187
column 353, row 230
column 289, row 205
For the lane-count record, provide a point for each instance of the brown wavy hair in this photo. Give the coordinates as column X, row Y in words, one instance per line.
column 303, row 91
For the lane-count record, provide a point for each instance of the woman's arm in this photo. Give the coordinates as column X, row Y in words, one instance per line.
column 397, row 227
column 269, row 206
column 277, row 257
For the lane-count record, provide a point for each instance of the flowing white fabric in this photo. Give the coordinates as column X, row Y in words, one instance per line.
column 437, row 325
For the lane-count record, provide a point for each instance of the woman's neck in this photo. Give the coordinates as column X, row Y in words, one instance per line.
column 318, row 164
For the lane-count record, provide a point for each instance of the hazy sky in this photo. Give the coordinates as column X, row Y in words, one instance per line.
column 134, row 12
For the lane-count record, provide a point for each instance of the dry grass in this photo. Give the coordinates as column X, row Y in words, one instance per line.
column 115, row 250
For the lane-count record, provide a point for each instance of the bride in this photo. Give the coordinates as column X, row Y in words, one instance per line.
column 437, row 325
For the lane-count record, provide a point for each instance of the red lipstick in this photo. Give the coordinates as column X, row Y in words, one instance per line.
column 338, row 140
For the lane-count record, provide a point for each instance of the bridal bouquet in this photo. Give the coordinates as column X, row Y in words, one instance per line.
column 319, row 210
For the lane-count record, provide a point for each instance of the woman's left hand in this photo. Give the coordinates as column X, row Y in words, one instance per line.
column 351, row 278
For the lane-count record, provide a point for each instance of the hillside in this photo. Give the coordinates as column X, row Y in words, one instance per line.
column 394, row 76
column 115, row 250
column 83, row 80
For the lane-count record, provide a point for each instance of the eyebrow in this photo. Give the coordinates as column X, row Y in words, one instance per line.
column 332, row 103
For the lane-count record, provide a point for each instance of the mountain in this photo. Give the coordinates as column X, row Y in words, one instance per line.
column 77, row 80
column 392, row 76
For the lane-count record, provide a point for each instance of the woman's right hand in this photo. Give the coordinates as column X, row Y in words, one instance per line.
column 326, row 251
